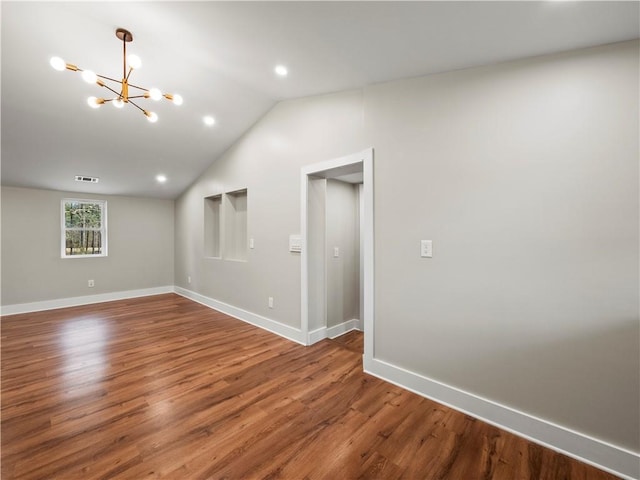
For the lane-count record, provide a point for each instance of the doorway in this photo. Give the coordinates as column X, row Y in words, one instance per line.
column 321, row 185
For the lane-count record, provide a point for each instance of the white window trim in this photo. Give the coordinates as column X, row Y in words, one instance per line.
column 63, row 228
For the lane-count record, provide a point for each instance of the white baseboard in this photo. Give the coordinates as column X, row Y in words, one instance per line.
column 317, row 335
column 342, row 328
column 84, row 300
column 333, row 332
column 611, row 458
column 273, row 326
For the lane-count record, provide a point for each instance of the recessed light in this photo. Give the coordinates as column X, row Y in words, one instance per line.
column 161, row 178
column 209, row 120
column 281, row 70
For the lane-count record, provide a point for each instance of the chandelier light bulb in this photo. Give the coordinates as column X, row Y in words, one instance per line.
column 118, row 103
column 94, row 102
column 58, row 63
column 134, row 61
column 155, row 94
column 151, row 116
column 177, row 99
column 89, row 76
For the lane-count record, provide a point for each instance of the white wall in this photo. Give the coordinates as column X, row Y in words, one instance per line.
column 343, row 272
column 140, row 247
column 524, row 175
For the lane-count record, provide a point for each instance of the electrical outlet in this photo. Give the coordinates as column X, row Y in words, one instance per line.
column 91, row 284
column 270, row 302
column 426, row 248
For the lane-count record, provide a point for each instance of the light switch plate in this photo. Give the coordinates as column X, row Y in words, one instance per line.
column 336, row 252
column 426, row 248
column 295, row 243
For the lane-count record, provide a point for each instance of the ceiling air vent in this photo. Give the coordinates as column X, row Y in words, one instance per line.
column 81, row 178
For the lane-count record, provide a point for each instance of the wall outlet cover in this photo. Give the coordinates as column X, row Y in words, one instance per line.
column 426, row 248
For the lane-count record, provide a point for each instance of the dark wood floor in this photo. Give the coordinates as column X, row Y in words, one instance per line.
column 161, row 387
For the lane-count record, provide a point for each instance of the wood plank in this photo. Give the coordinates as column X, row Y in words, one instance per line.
column 163, row 388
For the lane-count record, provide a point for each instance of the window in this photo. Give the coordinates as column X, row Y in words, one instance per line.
column 84, row 228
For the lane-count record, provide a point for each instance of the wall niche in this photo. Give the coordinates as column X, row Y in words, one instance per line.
column 225, row 226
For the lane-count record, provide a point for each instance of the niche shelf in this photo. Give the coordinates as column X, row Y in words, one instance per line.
column 212, row 224
column 236, row 225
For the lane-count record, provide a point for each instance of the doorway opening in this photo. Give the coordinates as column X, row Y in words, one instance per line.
column 337, row 248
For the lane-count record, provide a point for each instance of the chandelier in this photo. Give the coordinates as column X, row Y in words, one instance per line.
column 121, row 87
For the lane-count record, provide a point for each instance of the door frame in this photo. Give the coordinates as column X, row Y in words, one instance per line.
column 365, row 157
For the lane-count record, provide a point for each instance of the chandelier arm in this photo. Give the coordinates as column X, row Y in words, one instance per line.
column 124, row 57
column 108, row 78
column 129, row 74
column 119, row 94
column 139, row 88
column 137, row 96
column 135, row 105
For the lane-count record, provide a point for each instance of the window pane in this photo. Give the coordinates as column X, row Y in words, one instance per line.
column 83, row 242
column 82, row 215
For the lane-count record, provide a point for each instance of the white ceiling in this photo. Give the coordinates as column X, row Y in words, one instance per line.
column 220, row 56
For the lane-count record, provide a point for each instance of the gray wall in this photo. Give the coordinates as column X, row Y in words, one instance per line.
column 524, row 175
column 317, row 251
column 343, row 272
column 140, row 235
column 267, row 162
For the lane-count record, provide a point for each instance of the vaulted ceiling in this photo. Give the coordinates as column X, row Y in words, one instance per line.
column 220, row 56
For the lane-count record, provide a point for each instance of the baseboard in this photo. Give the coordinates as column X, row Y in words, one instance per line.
column 84, row 300
column 273, row 326
column 333, row 332
column 602, row 455
column 342, row 328
column 317, row 335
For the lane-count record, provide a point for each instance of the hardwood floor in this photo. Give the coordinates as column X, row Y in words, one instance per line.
column 164, row 388
column 353, row 340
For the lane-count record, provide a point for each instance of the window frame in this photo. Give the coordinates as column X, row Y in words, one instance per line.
column 102, row 230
